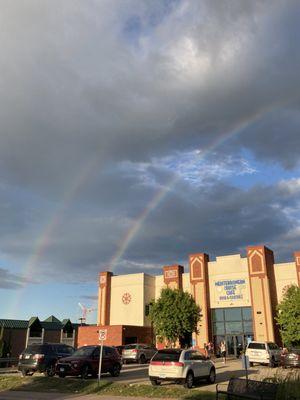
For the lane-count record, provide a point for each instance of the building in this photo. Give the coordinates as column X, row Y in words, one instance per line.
column 18, row 334
column 237, row 297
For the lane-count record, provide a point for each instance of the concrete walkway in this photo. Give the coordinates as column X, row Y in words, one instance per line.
column 61, row 396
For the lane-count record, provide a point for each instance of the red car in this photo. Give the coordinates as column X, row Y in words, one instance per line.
column 84, row 362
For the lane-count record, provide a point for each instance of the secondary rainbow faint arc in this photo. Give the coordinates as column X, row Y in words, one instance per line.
column 43, row 240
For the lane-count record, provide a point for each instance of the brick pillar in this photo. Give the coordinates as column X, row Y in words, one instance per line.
column 297, row 261
column 263, row 293
column 200, row 292
column 104, row 292
column 173, row 276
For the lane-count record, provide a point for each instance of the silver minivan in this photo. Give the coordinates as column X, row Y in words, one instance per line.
column 140, row 353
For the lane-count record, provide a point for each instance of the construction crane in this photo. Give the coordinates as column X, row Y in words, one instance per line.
column 85, row 311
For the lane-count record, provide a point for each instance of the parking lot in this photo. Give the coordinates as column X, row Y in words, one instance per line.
column 138, row 374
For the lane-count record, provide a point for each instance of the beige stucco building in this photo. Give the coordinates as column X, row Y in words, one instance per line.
column 237, row 296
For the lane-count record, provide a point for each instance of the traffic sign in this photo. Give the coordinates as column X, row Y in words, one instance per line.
column 102, row 334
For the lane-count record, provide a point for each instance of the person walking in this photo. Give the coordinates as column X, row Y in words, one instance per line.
column 223, row 351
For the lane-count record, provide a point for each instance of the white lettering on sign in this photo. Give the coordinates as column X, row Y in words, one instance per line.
column 230, row 289
column 102, row 279
column 172, row 273
column 102, row 334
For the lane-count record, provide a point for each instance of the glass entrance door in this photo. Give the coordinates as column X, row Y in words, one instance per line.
column 235, row 344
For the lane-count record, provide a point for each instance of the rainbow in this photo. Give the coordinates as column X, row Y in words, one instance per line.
column 44, row 238
column 162, row 192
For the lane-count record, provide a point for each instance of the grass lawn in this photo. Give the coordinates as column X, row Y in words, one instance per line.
column 43, row 384
column 287, row 388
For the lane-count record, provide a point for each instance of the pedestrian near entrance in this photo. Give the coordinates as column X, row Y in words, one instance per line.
column 223, row 351
column 210, row 349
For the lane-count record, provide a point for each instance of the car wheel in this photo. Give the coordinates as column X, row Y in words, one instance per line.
column 85, row 371
column 61, row 375
column 115, row 370
column 50, row 371
column 142, row 359
column 155, row 382
column 189, row 380
column 212, row 376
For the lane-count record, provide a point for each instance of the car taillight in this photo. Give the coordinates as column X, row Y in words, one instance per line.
column 38, row 357
column 156, row 363
column 178, row 364
column 134, row 351
column 168, row 363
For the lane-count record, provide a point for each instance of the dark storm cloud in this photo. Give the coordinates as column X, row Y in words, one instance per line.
column 217, row 218
column 74, row 88
column 94, row 92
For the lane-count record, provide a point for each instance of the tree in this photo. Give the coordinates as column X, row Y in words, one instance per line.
column 288, row 316
column 174, row 315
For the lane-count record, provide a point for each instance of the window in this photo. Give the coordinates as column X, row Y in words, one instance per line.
column 68, row 350
column 147, row 309
column 130, row 346
column 218, row 328
column 237, row 321
column 247, row 313
column 257, row 346
column 233, row 314
column 97, row 352
column 85, row 351
column 188, row 355
column 273, row 346
column 167, row 355
column 197, row 356
column 107, row 351
column 234, row 327
column 218, row 314
column 248, row 328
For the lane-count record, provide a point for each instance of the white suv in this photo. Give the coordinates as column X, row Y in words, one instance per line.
column 181, row 366
column 263, row 353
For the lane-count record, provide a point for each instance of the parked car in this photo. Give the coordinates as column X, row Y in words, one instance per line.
column 140, row 353
column 42, row 358
column 181, row 366
column 263, row 353
column 120, row 349
column 85, row 362
column 290, row 358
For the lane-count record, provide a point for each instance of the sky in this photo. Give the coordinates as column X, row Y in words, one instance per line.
column 136, row 132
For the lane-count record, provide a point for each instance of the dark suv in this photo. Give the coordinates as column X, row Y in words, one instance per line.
column 42, row 358
column 85, row 362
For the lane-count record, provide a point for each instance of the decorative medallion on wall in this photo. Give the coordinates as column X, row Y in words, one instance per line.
column 126, row 298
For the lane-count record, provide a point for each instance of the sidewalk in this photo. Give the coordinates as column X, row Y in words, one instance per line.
column 62, row 396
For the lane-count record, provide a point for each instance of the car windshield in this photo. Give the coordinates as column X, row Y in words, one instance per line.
column 167, row 355
column 84, row 351
column 35, row 348
column 257, row 346
column 130, row 346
